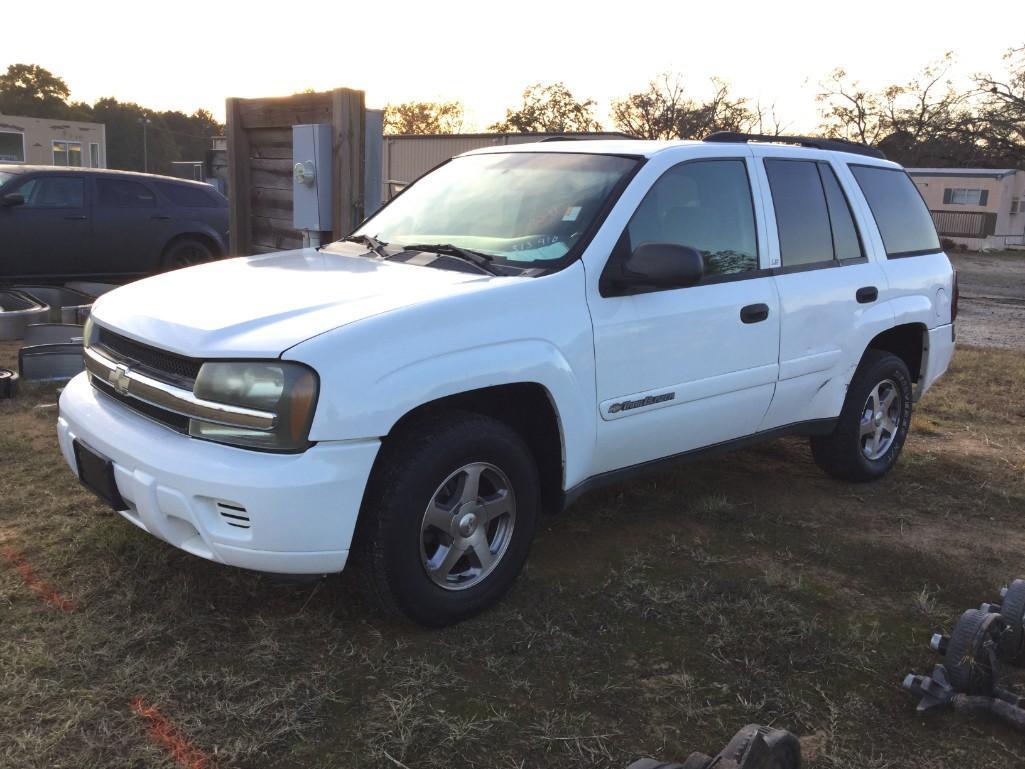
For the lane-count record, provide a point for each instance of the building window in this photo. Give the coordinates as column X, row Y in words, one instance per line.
column 1016, row 207
column 67, row 154
column 963, row 196
column 12, row 147
column 94, row 155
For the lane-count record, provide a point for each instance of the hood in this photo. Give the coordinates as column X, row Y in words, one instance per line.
column 259, row 306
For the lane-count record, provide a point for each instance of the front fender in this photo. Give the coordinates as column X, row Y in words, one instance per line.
column 531, row 331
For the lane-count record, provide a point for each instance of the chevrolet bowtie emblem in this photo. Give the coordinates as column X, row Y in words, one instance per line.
column 119, row 379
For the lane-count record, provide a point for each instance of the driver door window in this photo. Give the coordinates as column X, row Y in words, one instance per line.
column 704, row 204
column 53, row 192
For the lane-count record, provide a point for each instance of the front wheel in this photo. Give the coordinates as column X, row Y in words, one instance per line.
column 448, row 518
column 873, row 424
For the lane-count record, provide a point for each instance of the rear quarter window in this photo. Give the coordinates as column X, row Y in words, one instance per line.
column 188, row 196
column 904, row 222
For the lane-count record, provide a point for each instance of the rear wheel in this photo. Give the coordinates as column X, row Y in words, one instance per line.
column 186, row 253
column 448, row 518
column 873, row 424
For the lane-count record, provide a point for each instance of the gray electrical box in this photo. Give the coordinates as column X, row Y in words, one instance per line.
column 311, row 177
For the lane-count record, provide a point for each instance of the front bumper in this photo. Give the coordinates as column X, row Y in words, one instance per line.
column 283, row 513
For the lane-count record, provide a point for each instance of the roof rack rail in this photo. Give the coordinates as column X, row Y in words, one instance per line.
column 560, row 139
column 818, row 142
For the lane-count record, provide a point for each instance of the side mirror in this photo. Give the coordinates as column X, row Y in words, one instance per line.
column 663, row 265
column 13, row 199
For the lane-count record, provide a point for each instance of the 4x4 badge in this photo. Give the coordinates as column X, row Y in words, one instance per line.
column 119, row 379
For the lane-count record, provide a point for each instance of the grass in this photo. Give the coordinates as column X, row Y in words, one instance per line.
column 654, row 618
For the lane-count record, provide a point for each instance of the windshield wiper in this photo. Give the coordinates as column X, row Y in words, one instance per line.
column 370, row 242
column 476, row 258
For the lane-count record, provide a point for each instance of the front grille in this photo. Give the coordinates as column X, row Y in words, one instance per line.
column 160, row 364
column 176, row 422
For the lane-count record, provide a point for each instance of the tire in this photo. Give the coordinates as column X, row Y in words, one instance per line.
column 864, row 447
column 1012, row 611
column 186, row 252
column 967, row 669
column 8, row 383
column 423, row 531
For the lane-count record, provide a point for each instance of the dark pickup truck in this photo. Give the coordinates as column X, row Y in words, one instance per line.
column 62, row 223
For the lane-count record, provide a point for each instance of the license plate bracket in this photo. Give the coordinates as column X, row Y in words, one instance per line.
column 96, row 473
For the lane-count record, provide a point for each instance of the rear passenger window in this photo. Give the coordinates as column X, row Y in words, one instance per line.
column 119, row 193
column 188, row 196
column 802, row 218
column 704, row 204
column 904, row 222
column 846, row 243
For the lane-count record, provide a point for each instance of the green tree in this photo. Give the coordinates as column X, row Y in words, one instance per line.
column 549, row 108
column 191, row 134
column 33, row 91
column 124, row 128
column 423, row 117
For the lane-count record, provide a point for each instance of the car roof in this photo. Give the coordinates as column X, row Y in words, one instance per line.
column 20, row 168
column 650, row 148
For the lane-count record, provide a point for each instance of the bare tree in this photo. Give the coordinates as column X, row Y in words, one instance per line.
column 549, row 108
column 423, row 117
column 654, row 112
column 664, row 111
column 1002, row 110
column 848, row 110
column 767, row 122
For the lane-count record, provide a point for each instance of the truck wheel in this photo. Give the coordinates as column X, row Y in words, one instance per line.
column 873, row 424
column 186, row 253
column 447, row 519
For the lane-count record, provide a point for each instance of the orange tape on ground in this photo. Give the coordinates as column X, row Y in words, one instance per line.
column 42, row 588
column 167, row 736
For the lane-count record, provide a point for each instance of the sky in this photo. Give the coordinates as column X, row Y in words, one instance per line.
column 195, row 54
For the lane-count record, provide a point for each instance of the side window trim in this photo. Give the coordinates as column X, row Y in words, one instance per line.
column 757, row 211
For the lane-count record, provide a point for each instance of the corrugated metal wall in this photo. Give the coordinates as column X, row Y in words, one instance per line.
column 408, row 157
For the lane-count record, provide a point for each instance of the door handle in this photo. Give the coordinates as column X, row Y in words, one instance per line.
column 75, row 218
column 161, row 217
column 867, row 294
column 754, row 313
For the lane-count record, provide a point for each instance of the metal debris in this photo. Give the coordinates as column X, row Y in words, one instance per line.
column 972, row 677
column 57, row 297
column 53, row 333
column 8, row 383
column 17, row 311
column 753, row 747
column 50, row 362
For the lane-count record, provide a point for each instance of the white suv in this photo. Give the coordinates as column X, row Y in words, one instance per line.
column 519, row 326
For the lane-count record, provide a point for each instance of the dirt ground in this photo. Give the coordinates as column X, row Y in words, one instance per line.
column 992, row 299
column 653, row 619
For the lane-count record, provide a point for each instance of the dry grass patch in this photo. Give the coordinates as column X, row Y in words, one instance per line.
column 654, row 618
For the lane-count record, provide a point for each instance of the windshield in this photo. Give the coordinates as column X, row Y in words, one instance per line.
column 520, row 207
column 5, row 177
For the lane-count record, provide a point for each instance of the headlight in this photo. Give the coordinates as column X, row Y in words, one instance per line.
column 287, row 390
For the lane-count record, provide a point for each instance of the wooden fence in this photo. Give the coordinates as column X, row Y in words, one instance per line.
column 259, row 133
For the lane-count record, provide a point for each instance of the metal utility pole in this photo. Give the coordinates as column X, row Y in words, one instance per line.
column 145, row 121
